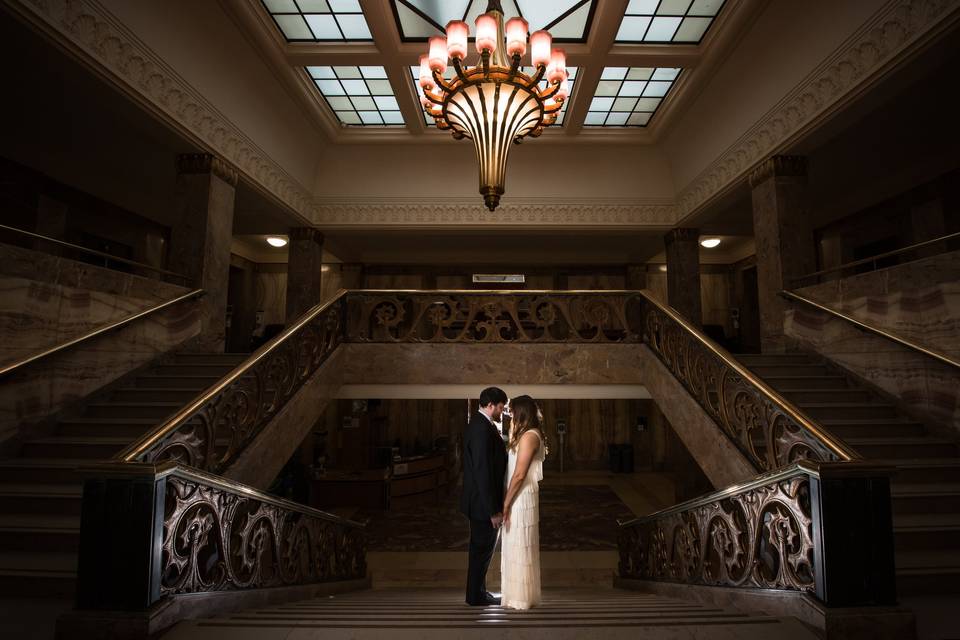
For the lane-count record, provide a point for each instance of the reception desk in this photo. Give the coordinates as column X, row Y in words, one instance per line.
column 413, row 480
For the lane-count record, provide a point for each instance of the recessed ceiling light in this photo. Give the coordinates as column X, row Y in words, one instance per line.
column 276, row 241
column 663, row 267
column 710, row 243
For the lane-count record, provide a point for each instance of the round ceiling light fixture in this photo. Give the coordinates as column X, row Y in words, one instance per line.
column 276, row 241
column 710, row 243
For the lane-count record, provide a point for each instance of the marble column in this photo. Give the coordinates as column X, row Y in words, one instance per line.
column 636, row 276
column 683, row 272
column 784, row 240
column 200, row 238
column 304, row 271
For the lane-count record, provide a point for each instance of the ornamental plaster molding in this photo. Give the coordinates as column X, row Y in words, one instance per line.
column 113, row 51
column 472, row 212
column 892, row 31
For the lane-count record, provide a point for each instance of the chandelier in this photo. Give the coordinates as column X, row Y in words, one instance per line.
column 493, row 103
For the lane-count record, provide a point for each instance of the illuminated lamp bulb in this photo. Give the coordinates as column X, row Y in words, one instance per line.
column 276, row 241
column 486, row 33
column 540, row 43
column 710, row 243
column 516, row 36
column 426, row 75
column 557, row 70
column 438, row 54
column 564, row 90
column 457, row 33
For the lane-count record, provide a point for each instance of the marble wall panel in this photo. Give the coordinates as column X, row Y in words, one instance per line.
column 919, row 300
column 926, row 388
column 271, row 297
column 50, row 385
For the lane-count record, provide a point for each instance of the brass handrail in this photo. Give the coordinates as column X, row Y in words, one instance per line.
column 100, row 254
column 947, row 360
column 13, row 366
column 879, row 256
column 838, row 447
column 141, row 446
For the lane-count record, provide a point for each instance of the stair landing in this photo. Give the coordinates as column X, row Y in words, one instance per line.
column 441, row 613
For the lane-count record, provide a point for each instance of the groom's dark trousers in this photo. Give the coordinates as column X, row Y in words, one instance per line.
column 484, row 468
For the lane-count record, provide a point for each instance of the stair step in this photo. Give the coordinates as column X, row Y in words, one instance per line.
column 765, row 370
column 911, row 447
column 230, row 359
column 153, row 380
column 926, row 498
column 39, row 532
column 928, row 571
column 40, row 470
column 148, row 394
column 38, row 574
column 787, row 382
column 848, row 410
column 801, row 396
column 193, row 369
column 874, row 428
column 89, row 447
column 751, row 359
column 927, row 531
column 156, row 410
column 64, row 499
column 128, row 428
column 924, row 470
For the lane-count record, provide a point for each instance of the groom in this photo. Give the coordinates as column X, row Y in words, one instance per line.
column 484, row 468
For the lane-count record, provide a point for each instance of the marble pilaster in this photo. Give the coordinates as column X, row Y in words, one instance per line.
column 784, row 239
column 200, row 239
column 304, row 271
column 683, row 273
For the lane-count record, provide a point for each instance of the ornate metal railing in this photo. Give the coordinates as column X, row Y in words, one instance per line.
column 765, row 426
column 489, row 316
column 210, row 431
column 155, row 531
column 820, row 529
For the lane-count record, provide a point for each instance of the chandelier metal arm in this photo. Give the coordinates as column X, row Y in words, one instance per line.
column 459, row 69
column 537, row 77
column 441, row 82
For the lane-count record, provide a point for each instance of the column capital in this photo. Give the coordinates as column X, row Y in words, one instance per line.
column 775, row 166
column 202, row 163
column 681, row 234
column 298, row 234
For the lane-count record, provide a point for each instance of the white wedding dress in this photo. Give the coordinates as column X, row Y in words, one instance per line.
column 520, row 540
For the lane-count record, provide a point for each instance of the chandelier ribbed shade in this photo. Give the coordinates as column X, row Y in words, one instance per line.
column 493, row 103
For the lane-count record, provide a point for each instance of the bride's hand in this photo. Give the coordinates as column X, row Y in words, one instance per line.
column 506, row 517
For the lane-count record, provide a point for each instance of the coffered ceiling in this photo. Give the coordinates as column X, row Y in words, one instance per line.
column 633, row 63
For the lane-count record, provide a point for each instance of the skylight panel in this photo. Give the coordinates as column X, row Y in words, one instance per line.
column 667, row 21
column 567, row 20
column 319, row 20
column 360, row 96
column 629, row 96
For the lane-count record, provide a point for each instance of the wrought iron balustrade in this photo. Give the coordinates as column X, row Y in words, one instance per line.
column 823, row 529
column 155, row 531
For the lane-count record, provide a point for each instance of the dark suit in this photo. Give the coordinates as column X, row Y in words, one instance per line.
column 484, row 468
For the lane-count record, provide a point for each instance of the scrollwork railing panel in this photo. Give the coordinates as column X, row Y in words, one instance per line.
column 215, row 539
column 508, row 317
column 213, row 429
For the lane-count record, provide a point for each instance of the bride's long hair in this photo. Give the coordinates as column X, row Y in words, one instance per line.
column 525, row 414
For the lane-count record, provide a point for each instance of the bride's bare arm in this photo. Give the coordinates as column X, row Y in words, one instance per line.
column 528, row 446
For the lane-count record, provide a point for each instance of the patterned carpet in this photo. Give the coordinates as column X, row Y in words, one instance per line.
column 572, row 518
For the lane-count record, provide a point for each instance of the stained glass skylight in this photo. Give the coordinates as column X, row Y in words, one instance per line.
column 667, row 21
column 358, row 95
column 319, row 20
column 566, row 20
column 629, row 96
column 415, row 73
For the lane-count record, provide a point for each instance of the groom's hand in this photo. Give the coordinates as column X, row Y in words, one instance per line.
column 496, row 520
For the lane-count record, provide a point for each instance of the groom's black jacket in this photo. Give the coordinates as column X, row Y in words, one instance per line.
column 484, row 468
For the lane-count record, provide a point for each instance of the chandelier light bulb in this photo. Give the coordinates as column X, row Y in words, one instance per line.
column 564, row 90
column 276, row 241
column 457, row 33
column 426, row 76
column 557, row 70
column 540, row 43
column 486, row 33
column 438, row 54
column 710, row 243
column 516, row 36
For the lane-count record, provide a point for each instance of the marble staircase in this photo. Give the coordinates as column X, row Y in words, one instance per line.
column 441, row 613
column 40, row 491
column 926, row 490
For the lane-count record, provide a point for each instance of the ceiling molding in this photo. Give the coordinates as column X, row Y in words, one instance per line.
column 900, row 28
column 467, row 213
column 89, row 32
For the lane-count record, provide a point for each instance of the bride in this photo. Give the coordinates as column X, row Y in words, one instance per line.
column 520, row 535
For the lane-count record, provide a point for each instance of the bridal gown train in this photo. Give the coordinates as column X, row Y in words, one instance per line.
column 520, row 540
